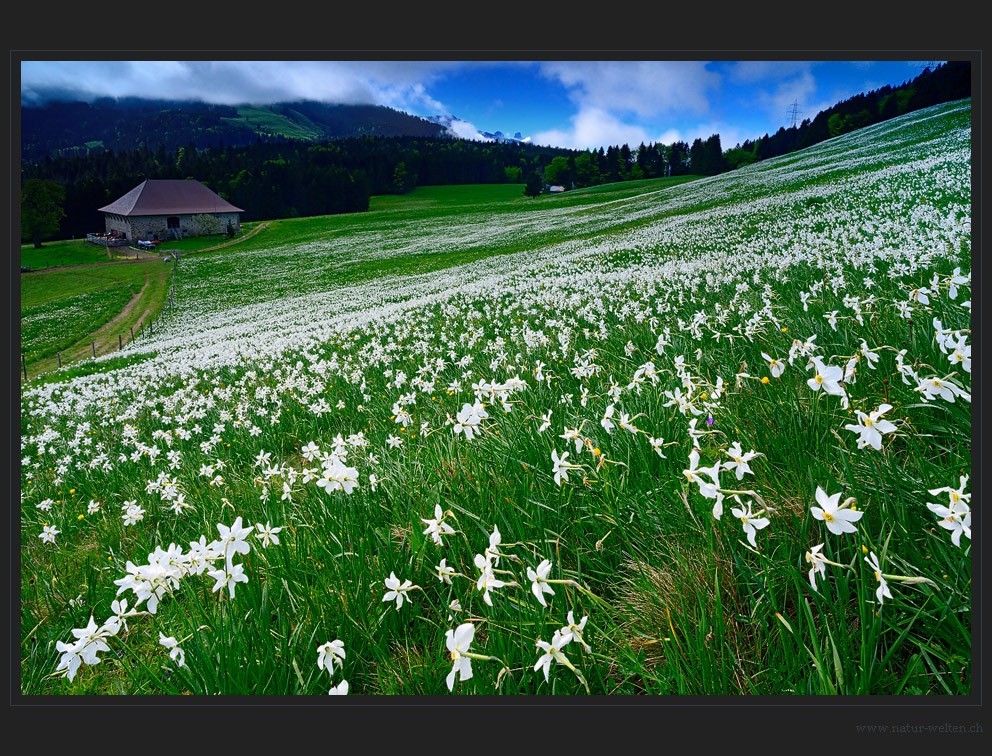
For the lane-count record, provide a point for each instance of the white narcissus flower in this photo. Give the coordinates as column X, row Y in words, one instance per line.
column 545, row 422
column 437, row 527
column 956, row 515
column 552, row 652
column 328, row 654
column 573, row 631
column 397, row 591
column 341, row 689
column 826, row 377
column 870, row 357
column 469, row 419
column 883, row 586
column 491, row 552
column 838, row 520
column 944, row 388
column 232, row 539
column 267, row 534
column 956, row 519
column 458, row 642
column 957, row 280
column 228, row 578
column 538, row 578
column 657, row 444
column 561, row 467
column 954, row 494
column 816, row 559
column 870, row 427
column 776, row 367
column 444, row 572
column 89, row 642
column 607, row 421
column 487, row 579
column 961, row 354
column 740, row 460
column 70, row 659
column 175, row 652
column 751, row 523
column 48, row 534
column 694, row 475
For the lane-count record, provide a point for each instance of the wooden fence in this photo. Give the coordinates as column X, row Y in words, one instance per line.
column 150, row 322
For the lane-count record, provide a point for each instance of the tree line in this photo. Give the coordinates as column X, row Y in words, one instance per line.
column 945, row 83
column 287, row 179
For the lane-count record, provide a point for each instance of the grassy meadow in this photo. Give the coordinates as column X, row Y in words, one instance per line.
column 64, row 311
column 674, row 438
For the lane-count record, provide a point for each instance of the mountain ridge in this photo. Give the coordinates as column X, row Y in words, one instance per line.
column 62, row 128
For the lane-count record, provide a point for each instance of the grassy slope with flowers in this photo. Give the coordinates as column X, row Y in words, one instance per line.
column 504, row 339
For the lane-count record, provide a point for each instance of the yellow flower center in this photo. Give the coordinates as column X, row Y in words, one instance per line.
column 827, row 517
column 867, row 422
column 819, row 379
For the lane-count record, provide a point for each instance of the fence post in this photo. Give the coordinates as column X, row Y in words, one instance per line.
column 93, row 344
column 24, row 364
column 59, row 355
column 120, row 343
column 151, row 326
column 132, row 333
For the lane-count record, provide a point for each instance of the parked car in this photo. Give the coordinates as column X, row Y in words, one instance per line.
column 142, row 244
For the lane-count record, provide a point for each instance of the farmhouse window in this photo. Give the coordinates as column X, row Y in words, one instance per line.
column 173, row 222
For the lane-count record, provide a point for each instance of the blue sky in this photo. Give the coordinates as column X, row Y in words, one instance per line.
column 576, row 104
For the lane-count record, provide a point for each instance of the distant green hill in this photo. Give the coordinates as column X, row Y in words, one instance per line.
column 73, row 128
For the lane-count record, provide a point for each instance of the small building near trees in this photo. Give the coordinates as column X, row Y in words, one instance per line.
column 170, row 209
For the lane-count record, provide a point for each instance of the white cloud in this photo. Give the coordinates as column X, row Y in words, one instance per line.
column 752, row 71
column 593, row 128
column 670, row 136
column 799, row 89
column 466, row 130
column 645, row 88
column 399, row 84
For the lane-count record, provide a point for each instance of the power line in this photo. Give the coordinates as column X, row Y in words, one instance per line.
column 793, row 112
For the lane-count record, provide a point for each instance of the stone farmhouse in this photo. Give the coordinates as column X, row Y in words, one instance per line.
column 166, row 209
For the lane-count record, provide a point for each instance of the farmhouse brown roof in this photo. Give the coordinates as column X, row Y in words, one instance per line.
column 170, row 197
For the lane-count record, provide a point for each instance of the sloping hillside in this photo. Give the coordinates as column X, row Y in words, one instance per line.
column 712, row 438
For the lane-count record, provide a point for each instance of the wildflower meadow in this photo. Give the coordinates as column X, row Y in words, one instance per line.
column 705, row 438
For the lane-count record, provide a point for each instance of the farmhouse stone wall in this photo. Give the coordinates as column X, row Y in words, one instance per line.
column 118, row 223
column 156, row 226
